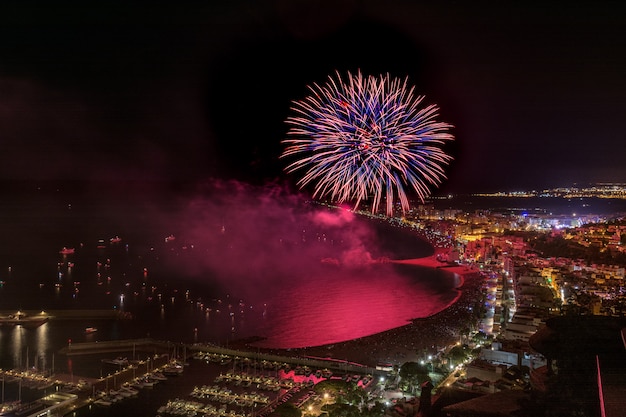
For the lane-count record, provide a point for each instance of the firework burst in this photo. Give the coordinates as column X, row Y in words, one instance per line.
column 366, row 138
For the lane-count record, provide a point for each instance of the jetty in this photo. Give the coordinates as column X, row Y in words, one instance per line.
column 63, row 314
column 112, row 346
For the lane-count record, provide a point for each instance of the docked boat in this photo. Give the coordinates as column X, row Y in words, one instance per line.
column 158, row 376
column 67, row 251
column 173, row 369
column 103, row 402
column 136, row 384
column 117, row 361
column 120, row 393
column 132, row 391
column 28, row 408
column 149, row 382
column 9, row 408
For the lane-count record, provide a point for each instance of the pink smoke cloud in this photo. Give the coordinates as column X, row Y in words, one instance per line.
column 252, row 240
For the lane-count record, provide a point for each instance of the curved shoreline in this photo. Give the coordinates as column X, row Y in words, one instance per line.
column 418, row 338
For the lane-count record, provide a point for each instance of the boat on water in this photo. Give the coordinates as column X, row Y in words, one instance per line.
column 117, row 361
column 9, row 408
column 127, row 388
column 28, row 408
column 148, row 382
column 157, row 375
column 173, row 369
column 103, row 402
column 67, row 251
column 91, row 330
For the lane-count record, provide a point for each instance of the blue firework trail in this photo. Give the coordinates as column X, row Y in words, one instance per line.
column 364, row 139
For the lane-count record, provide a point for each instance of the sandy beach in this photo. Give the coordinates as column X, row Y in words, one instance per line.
column 422, row 336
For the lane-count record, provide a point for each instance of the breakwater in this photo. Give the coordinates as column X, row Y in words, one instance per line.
column 142, row 345
column 66, row 314
column 186, row 351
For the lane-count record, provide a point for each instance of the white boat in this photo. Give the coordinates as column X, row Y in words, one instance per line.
column 117, row 361
column 8, row 408
column 130, row 390
column 158, row 376
column 120, row 392
column 173, row 370
column 147, row 382
column 103, row 402
column 136, row 384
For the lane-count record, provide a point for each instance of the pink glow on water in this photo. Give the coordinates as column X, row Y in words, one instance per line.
column 332, row 308
column 323, row 274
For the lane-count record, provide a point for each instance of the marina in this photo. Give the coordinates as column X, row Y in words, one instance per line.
column 106, row 311
column 216, row 382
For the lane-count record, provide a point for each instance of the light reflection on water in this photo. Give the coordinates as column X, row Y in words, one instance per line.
column 17, row 336
column 322, row 310
column 306, row 309
column 339, row 306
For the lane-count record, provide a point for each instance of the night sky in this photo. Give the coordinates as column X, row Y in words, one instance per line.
column 181, row 92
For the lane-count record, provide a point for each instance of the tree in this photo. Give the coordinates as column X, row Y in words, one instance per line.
column 458, row 353
column 288, row 410
column 377, row 410
column 341, row 410
column 413, row 374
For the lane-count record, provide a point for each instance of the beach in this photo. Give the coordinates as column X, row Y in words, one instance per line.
column 420, row 337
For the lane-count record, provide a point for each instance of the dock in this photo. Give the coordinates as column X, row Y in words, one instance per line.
column 35, row 318
column 112, row 346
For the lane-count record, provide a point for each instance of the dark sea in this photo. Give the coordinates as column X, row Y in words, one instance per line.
column 555, row 206
column 187, row 270
column 198, row 269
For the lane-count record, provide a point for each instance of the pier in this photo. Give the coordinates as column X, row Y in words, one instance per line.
column 131, row 345
column 26, row 315
column 186, row 351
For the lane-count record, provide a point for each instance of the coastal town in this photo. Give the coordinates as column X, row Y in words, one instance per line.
column 536, row 270
column 490, row 353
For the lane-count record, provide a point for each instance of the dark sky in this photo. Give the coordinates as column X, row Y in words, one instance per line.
column 184, row 91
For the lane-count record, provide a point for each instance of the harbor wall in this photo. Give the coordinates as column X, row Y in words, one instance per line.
column 67, row 314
